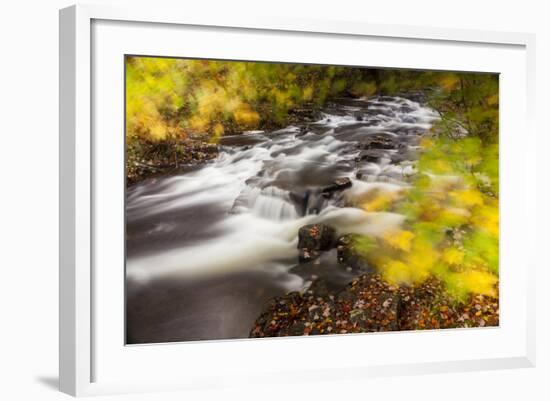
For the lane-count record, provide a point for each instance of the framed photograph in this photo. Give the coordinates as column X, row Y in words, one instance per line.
column 300, row 199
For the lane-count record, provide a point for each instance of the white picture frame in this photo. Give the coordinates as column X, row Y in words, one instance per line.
column 80, row 341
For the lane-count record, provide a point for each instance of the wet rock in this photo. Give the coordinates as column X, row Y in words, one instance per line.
column 358, row 116
column 308, row 202
column 241, row 140
column 338, row 185
column 300, row 200
column 208, row 148
column 409, row 119
column 348, row 131
column 316, row 237
column 406, row 109
column 318, row 129
column 348, row 256
column 379, row 141
column 419, row 97
column 399, row 157
column 371, row 155
column 303, row 130
column 367, row 175
column 293, row 297
column 319, row 288
column 307, row 255
column 381, row 315
column 306, row 113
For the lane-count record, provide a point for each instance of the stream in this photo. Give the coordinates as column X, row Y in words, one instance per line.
column 208, row 247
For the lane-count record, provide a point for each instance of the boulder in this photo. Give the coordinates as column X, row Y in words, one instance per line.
column 347, row 256
column 319, row 288
column 406, row 109
column 307, row 255
column 379, row 141
column 371, row 155
column 383, row 315
column 386, row 314
column 338, row 185
column 316, row 237
column 307, row 202
column 303, row 130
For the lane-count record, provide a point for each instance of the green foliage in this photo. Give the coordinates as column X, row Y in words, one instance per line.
column 468, row 102
column 452, row 227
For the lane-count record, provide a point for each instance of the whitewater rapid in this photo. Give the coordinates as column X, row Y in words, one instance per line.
column 235, row 220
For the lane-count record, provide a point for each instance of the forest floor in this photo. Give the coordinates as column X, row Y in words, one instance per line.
column 148, row 159
column 369, row 304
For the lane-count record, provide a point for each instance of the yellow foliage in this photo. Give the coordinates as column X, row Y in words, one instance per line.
column 478, row 282
column 397, row 272
column 468, row 197
column 487, row 218
column 452, row 227
column 218, row 131
column 449, row 82
column 422, row 259
column 158, row 131
column 211, row 101
column 492, row 100
column 307, row 94
column 452, row 217
column 170, row 97
column 246, row 117
column 430, row 209
column 427, row 142
column 442, row 167
column 379, row 201
column 452, row 256
column 199, row 123
column 399, row 240
column 364, row 88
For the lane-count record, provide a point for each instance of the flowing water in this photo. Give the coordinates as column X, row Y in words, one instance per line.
column 206, row 248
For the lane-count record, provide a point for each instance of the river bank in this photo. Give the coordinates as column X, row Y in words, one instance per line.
column 148, row 159
column 369, row 304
